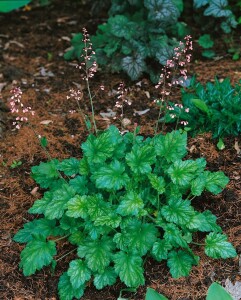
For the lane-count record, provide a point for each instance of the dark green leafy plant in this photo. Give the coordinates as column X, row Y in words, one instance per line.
column 127, row 198
column 7, row 6
column 214, row 107
column 139, row 36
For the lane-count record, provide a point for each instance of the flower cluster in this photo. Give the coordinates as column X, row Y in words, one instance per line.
column 122, row 91
column 18, row 108
column 87, row 65
column 178, row 62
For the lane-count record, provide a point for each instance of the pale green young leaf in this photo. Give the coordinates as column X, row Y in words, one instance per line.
column 66, row 290
column 111, row 177
column 158, row 183
column 174, row 236
column 97, row 253
column 69, row 166
column 45, row 173
column 180, row 263
column 56, row 208
column 108, row 277
column 172, row 146
column 129, row 268
column 131, row 204
column 78, row 273
column 216, row 246
column 78, row 207
column 215, row 182
column 140, row 159
column 178, row 211
column 183, row 172
column 37, row 254
column 42, row 226
column 153, row 295
column 160, row 249
column 39, row 205
column 79, row 184
column 98, row 149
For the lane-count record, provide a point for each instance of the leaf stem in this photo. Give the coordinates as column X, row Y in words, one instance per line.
column 65, row 254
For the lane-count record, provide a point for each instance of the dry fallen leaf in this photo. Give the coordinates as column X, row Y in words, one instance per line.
column 125, row 122
column 141, row 112
column 109, row 114
column 236, row 147
column 46, row 122
column 34, row 191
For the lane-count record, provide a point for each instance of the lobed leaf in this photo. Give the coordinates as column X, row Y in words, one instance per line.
column 66, row 290
column 78, row 273
column 129, row 268
column 37, row 254
column 180, row 263
column 108, row 277
column 216, row 246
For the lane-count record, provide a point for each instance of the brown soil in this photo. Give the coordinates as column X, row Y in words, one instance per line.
column 33, row 39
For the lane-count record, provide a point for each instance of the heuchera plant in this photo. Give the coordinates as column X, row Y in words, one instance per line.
column 126, row 199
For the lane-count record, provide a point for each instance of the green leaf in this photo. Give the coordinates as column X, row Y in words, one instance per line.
column 108, row 277
column 153, row 295
column 208, row 53
column 37, row 254
column 66, row 290
column 174, row 236
column 134, row 66
column 56, row 208
column 217, row 8
column 129, row 268
column 45, row 173
column 158, row 183
column 121, row 27
column 198, row 185
column 215, row 182
column 178, row 211
column 216, row 291
column 201, row 105
column 160, row 249
column 79, row 184
column 78, row 207
column 204, row 222
column 216, row 246
column 180, row 263
column 97, row 253
column 220, row 144
column 172, row 146
column 205, row 41
column 131, row 204
column 98, row 149
column 39, row 205
column 7, row 6
column 43, row 142
column 111, row 177
column 76, row 238
column 42, row 226
column 183, row 172
column 97, row 207
column 140, row 159
column 78, row 273
column 139, row 238
column 69, row 166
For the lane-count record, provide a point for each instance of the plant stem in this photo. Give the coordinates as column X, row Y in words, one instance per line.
column 65, row 254
column 91, row 103
column 61, row 238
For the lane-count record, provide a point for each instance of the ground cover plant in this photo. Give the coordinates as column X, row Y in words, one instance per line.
column 214, row 107
column 139, row 36
column 127, row 198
